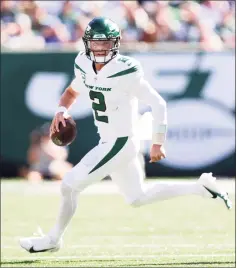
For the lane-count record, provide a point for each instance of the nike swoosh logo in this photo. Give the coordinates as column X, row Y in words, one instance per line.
column 31, row 250
column 213, row 193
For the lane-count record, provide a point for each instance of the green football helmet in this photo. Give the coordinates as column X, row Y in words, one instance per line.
column 102, row 29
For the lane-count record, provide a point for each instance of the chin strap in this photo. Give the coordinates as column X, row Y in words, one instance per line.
column 103, row 59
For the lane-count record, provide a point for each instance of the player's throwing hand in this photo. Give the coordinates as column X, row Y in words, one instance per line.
column 59, row 117
column 157, row 153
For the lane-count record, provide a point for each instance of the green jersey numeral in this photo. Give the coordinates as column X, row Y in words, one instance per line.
column 101, row 106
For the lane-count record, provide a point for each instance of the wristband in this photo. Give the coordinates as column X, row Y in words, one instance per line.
column 61, row 109
column 160, row 136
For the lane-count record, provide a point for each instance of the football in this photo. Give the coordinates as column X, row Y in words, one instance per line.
column 67, row 134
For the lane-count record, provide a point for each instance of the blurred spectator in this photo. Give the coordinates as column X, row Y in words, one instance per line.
column 130, row 32
column 24, row 37
column 225, row 27
column 8, row 11
column 208, row 23
column 194, row 27
column 54, row 33
column 45, row 159
column 50, row 27
column 69, row 17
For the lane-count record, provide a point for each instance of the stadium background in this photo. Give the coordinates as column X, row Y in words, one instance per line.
column 187, row 52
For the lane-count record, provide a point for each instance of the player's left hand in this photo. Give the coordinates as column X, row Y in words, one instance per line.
column 157, row 153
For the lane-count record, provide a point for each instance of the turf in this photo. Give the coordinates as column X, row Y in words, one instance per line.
column 106, row 232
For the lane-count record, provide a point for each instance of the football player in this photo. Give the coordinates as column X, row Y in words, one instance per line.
column 115, row 83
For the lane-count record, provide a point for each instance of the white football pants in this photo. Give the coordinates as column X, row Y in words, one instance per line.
column 117, row 158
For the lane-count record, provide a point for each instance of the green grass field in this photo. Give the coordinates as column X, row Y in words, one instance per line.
column 106, row 232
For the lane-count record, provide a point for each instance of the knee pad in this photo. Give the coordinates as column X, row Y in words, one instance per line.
column 65, row 188
column 75, row 179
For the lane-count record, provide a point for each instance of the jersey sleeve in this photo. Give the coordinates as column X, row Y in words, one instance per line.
column 147, row 94
column 77, row 83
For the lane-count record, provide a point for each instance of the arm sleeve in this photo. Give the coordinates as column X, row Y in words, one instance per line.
column 77, row 83
column 147, row 94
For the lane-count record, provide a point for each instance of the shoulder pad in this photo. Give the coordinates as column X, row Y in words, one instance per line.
column 128, row 61
column 125, row 65
column 79, row 55
column 80, row 61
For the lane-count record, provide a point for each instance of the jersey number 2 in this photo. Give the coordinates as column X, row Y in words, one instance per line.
column 101, row 106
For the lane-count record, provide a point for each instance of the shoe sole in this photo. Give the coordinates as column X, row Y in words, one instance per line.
column 31, row 250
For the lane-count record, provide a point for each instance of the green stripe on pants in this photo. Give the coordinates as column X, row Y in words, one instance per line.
column 119, row 144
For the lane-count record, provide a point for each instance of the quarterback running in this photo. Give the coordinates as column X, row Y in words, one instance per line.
column 115, row 84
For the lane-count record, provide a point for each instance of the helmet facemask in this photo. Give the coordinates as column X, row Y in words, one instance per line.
column 107, row 53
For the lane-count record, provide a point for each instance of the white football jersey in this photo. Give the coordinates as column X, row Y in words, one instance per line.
column 114, row 92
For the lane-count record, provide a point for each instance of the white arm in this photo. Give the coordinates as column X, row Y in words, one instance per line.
column 146, row 93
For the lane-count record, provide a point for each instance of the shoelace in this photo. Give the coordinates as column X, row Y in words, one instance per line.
column 39, row 232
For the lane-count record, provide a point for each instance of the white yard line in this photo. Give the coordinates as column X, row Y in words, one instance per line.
column 107, row 257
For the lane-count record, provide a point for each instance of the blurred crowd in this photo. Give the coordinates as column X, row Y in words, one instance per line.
column 37, row 24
